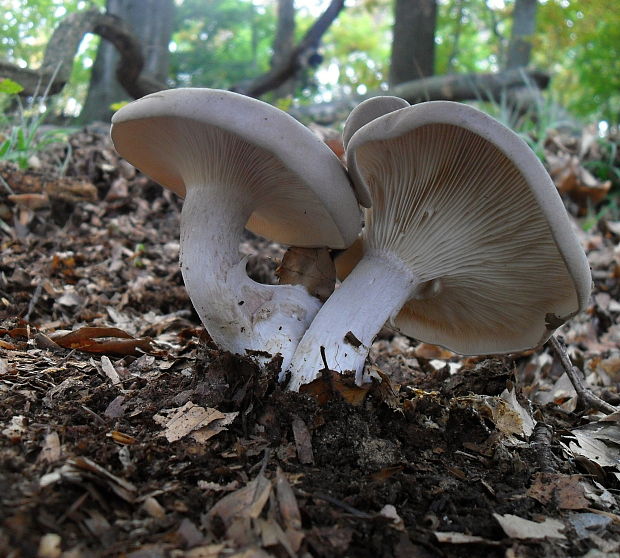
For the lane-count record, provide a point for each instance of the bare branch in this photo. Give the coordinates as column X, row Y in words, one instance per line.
column 62, row 47
column 585, row 397
column 296, row 60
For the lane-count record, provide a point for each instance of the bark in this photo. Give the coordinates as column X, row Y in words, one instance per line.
column 284, row 43
column 151, row 23
column 523, row 26
column 413, row 43
column 298, row 56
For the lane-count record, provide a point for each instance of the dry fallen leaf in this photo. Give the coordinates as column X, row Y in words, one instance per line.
column 303, row 441
column 51, row 450
column 453, row 537
column 85, row 339
column 247, row 502
column 330, row 383
column 311, row 267
column 191, row 418
column 429, row 352
column 499, row 412
column 565, row 491
column 518, row 528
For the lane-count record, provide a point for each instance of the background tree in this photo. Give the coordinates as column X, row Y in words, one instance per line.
column 226, row 43
column 151, row 22
column 413, row 43
column 522, row 34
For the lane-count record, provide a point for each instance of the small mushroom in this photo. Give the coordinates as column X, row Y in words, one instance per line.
column 240, row 162
column 467, row 244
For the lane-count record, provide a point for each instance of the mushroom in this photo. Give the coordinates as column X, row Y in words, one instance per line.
column 467, row 244
column 240, row 162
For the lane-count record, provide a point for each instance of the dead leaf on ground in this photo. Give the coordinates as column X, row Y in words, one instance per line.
column 202, row 423
column 497, row 410
column 80, row 468
column 330, row 383
column 452, row 537
column 312, row 268
column 565, row 491
column 247, row 502
column 120, row 342
column 429, row 352
column 51, row 450
column 518, row 528
column 303, row 441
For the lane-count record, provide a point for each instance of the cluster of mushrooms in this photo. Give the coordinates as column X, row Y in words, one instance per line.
column 462, row 239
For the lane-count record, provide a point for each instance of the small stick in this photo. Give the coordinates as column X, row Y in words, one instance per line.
column 585, row 397
column 541, row 441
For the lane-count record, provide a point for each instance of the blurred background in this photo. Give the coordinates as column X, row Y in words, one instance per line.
column 364, row 46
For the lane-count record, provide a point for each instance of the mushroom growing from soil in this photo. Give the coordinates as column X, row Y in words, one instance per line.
column 240, row 162
column 466, row 245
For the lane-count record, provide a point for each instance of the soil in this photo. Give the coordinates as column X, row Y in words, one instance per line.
column 143, row 439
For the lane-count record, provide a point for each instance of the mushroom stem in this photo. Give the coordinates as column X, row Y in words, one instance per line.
column 351, row 317
column 240, row 314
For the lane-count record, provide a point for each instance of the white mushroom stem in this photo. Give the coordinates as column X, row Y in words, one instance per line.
column 351, row 317
column 239, row 314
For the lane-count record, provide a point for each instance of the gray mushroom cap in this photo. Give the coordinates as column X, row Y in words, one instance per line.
column 303, row 195
column 469, row 208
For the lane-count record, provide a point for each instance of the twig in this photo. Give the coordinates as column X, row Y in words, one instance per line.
column 585, row 398
column 339, row 503
column 34, row 300
column 6, row 186
column 541, row 442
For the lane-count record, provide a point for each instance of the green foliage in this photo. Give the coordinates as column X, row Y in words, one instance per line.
column 222, row 42
column 470, row 36
column 357, row 48
column 20, row 135
column 579, row 42
column 10, row 87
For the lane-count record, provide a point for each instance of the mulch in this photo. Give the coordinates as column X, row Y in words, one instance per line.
column 124, row 431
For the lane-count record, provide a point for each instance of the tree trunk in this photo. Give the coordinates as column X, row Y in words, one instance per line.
column 283, row 45
column 523, row 25
column 151, row 22
column 413, row 42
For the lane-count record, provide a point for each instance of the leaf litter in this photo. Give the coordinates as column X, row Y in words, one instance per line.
column 125, row 431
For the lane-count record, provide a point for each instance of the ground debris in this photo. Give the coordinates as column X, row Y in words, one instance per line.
column 125, row 432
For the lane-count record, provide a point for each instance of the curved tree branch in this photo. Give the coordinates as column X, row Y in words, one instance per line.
column 63, row 45
column 297, row 58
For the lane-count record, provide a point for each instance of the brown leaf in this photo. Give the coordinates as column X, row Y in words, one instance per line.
column 330, row 383
column 186, row 419
column 247, row 502
column 311, row 267
column 30, row 201
column 303, row 441
column 566, row 491
column 122, row 438
column 287, row 503
column 85, row 339
column 429, row 352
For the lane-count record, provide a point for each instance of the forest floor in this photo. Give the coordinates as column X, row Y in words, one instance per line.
column 135, row 436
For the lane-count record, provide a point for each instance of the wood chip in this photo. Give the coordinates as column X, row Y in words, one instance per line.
column 303, row 441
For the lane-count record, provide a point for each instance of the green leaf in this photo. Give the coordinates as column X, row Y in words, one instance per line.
column 10, row 87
